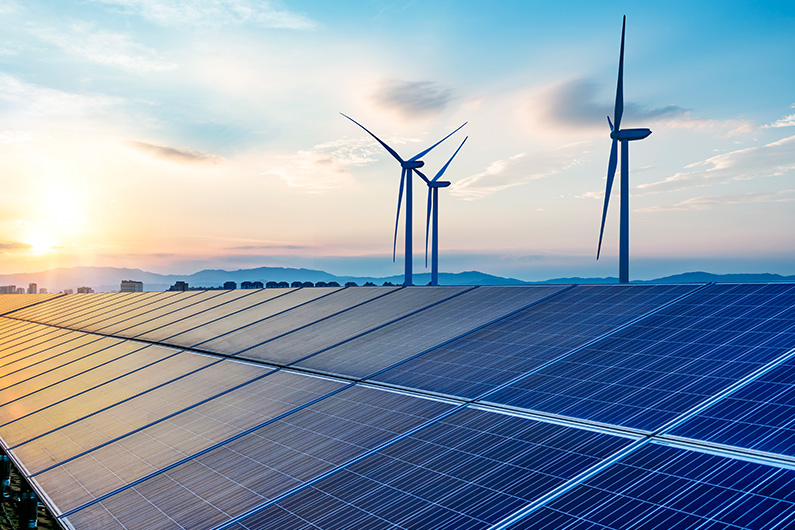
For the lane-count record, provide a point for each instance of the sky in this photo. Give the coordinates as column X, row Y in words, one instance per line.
column 174, row 136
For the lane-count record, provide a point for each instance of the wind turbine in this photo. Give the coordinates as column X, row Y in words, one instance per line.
column 407, row 166
column 624, row 136
column 433, row 210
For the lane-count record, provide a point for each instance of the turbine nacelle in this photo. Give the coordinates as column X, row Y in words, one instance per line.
column 630, row 134
column 438, row 183
column 412, row 164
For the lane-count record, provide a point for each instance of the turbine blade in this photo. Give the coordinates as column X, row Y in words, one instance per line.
column 417, row 157
column 391, row 151
column 610, row 123
column 620, row 88
column 397, row 217
column 427, row 225
column 444, row 167
column 611, row 173
column 422, row 176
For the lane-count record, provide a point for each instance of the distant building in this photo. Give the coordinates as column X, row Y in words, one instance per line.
column 8, row 289
column 68, row 291
column 84, row 290
column 20, row 290
column 43, row 290
column 33, row 288
column 246, row 285
column 179, row 286
column 131, row 286
column 230, row 285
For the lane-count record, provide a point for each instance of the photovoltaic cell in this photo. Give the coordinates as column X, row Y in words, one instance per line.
column 468, row 470
column 648, row 374
column 39, row 347
column 137, row 306
column 759, row 416
column 498, row 353
column 40, row 312
column 124, row 302
column 26, row 339
column 108, row 412
column 662, row 488
column 13, row 302
column 52, row 358
column 230, row 336
column 101, row 303
column 421, row 331
column 346, row 325
column 162, row 444
column 213, row 487
column 252, row 302
column 151, row 311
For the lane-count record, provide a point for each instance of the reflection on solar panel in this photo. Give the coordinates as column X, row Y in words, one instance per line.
column 648, row 374
column 659, row 487
column 469, row 470
column 691, row 386
column 496, row 354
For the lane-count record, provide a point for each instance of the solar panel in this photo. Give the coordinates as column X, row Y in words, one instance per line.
column 149, row 312
column 57, row 306
column 139, row 306
column 348, row 324
column 468, row 470
column 212, row 487
column 99, row 303
column 170, row 440
column 496, row 354
column 660, row 488
column 758, row 416
column 52, row 357
column 98, row 416
column 409, row 336
column 124, row 303
column 25, row 336
column 14, row 302
column 244, row 332
column 649, row 373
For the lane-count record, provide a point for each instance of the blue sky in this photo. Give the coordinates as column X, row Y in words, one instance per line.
column 174, row 136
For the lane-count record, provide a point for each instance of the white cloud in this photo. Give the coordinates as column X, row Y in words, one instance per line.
column 515, row 171
column 786, row 121
column 27, row 97
column 176, row 154
column 214, row 13
column 773, row 159
column 708, row 203
column 103, row 47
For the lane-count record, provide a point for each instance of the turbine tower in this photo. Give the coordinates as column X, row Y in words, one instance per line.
column 433, row 211
column 407, row 166
column 624, row 136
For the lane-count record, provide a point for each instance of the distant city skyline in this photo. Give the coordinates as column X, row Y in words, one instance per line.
column 184, row 135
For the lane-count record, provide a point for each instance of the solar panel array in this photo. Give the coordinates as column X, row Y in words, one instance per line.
column 567, row 406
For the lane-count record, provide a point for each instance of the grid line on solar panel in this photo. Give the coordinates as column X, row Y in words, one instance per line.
column 229, row 309
column 656, row 369
column 757, row 415
column 22, row 342
column 465, row 470
column 348, row 324
column 293, row 319
column 100, row 305
column 136, row 305
column 504, row 351
column 38, row 347
column 62, row 303
column 125, row 302
column 55, row 357
column 285, row 453
column 663, row 487
column 151, row 452
column 166, row 306
column 412, row 334
column 50, row 313
column 113, row 363
column 9, row 305
column 164, row 418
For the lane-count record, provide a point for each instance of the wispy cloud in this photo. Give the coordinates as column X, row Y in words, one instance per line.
column 14, row 245
column 112, row 49
column 412, row 98
column 773, row 159
column 786, row 121
column 708, row 203
column 326, row 166
column 575, row 104
column 517, row 170
column 27, row 97
column 176, row 154
column 215, row 13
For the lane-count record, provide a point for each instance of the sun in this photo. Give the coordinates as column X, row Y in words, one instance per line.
column 40, row 243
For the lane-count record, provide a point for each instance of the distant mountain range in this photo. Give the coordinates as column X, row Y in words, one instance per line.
column 106, row 279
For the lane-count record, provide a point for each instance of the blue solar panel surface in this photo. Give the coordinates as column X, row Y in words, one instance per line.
column 468, row 470
column 664, row 488
column 648, row 374
column 496, row 354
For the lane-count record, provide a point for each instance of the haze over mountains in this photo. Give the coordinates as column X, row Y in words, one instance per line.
column 109, row 278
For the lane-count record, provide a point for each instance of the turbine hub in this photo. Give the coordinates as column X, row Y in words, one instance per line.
column 412, row 164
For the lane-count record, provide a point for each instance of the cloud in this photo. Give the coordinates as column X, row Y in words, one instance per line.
column 27, row 97
column 786, row 121
column 325, row 166
column 412, row 98
column 214, row 13
column 573, row 104
column 15, row 245
column 708, row 203
column 515, row 171
column 771, row 160
column 103, row 47
column 176, row 154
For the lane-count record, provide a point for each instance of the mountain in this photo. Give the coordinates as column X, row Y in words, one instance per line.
column 109, row 278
